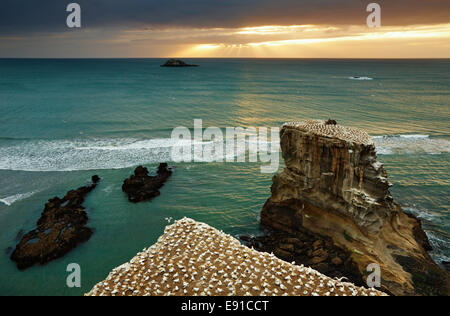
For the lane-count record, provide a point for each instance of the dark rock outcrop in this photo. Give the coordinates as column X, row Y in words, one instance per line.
column 446, row 265
column 333, row 186
column 306, row 248
column 142, row 187
column 177, row 63
column 61, row 227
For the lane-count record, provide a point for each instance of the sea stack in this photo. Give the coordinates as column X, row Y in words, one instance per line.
column 334, row 186
column 143, row 187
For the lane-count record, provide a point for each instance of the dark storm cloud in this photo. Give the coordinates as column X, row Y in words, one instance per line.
column 29, row 16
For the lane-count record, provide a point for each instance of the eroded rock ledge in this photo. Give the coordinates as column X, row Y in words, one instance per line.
column 61, row 227
column 192, row 258
column 309, row 249
column 333, row 186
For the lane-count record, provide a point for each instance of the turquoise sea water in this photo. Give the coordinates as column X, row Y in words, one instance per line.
column 62, row 121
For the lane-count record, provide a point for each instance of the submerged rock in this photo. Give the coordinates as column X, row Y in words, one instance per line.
column 333, row 186
column 20, row 234
column 142, row 187
column 60, row 228
column 177, row 63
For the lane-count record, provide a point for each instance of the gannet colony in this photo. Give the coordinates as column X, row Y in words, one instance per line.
column 323, row 128
column 194, row 259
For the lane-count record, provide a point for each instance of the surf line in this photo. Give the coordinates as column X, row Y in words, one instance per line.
column 10, row 200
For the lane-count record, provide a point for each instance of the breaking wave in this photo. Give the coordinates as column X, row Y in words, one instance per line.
column 10, row 200
column 99, row 154
column 72, row 155
column 421, row 213
column 411, row 144
column 439, row 239
column 360, row 78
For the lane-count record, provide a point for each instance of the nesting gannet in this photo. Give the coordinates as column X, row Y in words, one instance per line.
column 195, row 259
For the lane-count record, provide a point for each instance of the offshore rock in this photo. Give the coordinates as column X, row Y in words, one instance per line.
column 60, row 228
column 142, row 187
column 177, row 63
column 333, row 186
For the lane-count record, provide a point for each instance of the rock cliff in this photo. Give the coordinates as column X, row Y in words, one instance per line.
column 334, row 186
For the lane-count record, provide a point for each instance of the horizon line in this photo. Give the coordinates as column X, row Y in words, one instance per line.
column 303, row 58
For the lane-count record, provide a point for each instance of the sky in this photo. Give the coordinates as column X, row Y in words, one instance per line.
column 225, row 28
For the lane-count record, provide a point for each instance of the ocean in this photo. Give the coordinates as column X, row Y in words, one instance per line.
column 62, row 121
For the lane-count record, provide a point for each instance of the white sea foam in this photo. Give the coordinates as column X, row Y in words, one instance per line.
column 10, row 200
column 440, row 247
column 422, row 213
column 113, row 145
column 438, row 241
column 97, row 154
column 93, row 154
column 414, row 136
column 360, row 78
column 411, row 144
column 65, row 155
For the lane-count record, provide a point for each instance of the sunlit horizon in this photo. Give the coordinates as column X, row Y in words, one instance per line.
column 312, row 41
column 270, row 41
column 304, row 29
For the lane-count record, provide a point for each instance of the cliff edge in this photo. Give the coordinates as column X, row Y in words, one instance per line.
column 334, row 186
column 195, row 259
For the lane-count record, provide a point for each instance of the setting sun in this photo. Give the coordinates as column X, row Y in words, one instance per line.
column 311, row 41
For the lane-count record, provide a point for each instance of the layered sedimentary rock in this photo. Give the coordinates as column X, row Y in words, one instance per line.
column 61, row 227
column 334, row 186
column 143, row 187
column 192, row 258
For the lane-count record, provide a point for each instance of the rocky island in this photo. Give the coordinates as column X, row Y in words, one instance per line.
column 192, row 259
column 61, row 227
column 143, row 187
column 176, row 63
column 333, row 186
